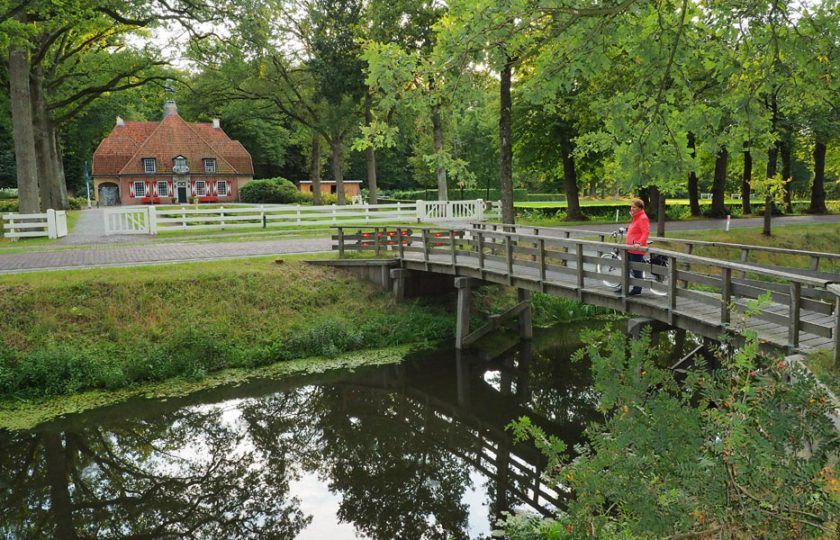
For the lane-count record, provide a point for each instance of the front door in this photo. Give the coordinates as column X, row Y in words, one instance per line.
column 182, row 194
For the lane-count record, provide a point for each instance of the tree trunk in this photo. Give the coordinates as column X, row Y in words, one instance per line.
column 53, row 193
column 315, row 168
column 337, row 157
column 772, row 157
column 660, row 213
column 745, row 183
column 818, row 188
column 693, row 184
column 719, row 184
column 21, row 105
column 506, row 143
column 573, row 211
column 59, row 165
column 440, row 172
column 370, row 159
column 786, row 152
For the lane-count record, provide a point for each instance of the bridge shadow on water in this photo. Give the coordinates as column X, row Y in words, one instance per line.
column 414, row 450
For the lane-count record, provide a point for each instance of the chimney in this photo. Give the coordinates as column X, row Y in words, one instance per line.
column 216, row 124
column 120, row 121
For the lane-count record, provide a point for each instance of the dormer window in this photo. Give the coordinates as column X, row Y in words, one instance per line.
column 149, row 165
column 180, row 165
column 209, row 165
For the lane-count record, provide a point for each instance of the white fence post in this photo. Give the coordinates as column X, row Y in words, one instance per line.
column 61, row 224
column 421, row 210
column 152, row 220
column 222, row 208
column 52, row 231
column 479, row 209
column 11, row 227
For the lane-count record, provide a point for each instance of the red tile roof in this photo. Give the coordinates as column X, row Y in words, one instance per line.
column 123, row 150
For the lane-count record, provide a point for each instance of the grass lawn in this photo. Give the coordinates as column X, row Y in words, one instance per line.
column 816, row 237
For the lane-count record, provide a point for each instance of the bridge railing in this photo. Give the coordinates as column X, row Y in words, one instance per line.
column 715, row 291
column 816, row 263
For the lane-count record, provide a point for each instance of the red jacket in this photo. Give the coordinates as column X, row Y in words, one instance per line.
column 638, row 232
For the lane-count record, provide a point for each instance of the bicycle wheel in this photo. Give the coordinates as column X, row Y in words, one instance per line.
column 610, row 269
column 659, row 279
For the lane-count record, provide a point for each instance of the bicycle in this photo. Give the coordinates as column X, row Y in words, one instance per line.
column 659, row 279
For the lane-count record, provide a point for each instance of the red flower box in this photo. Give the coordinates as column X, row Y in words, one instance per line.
column 209, row 198
column 150, row 200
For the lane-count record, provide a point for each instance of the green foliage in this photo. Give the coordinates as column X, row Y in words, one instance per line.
column 746, row 450
column 326, row 198
column 542, row 197
column 9, row 205
column 270, row 191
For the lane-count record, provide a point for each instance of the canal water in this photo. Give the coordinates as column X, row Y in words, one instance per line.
column 414, row 450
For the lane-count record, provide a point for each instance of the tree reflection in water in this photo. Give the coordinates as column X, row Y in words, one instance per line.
column 397, row 445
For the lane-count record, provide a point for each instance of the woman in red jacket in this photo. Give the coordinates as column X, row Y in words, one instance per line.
column 637, row 235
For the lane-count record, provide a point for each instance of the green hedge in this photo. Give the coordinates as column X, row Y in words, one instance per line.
column 270, row 190
column 546, row 197
column 455, row 195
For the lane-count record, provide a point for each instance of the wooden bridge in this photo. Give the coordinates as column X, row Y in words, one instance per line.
column 789, row 308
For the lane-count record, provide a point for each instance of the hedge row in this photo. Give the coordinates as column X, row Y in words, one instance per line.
column 455, row 194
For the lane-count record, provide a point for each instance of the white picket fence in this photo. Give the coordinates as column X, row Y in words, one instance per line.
column 52, row 224
column 152, row 220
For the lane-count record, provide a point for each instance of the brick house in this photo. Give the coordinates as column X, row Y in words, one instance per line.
column 171, row 161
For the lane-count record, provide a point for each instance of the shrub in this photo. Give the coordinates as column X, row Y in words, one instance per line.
column 545, row 197
column 714, row 453
column 326, row 198
column 76, row 203
column 9, row 205
column 270, row 190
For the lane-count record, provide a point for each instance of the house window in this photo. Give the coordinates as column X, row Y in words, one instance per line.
column 209, row 165
column 221, row 188
column 180, row 165
column 201, row 188
column 139, row 189
column 149, row 165
column 163, row 189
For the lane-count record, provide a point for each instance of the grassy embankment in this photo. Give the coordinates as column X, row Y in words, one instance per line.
column 66, row 332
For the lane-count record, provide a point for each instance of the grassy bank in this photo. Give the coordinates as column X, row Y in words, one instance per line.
column 109, row 328
column 66, row 332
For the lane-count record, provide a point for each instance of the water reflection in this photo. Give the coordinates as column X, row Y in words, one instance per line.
column 415, row 450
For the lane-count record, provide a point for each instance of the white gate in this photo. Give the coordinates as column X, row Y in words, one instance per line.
column 450, row 210
column 130, row 220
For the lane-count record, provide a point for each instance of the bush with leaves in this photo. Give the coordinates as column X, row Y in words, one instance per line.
column 743, row 451
column 270, row 191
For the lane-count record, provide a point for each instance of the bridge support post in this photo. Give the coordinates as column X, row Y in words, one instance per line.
column 526, row 329
column 398, row 276
column 462, row 328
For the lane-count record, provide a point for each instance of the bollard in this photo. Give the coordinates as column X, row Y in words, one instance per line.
column 728, row 220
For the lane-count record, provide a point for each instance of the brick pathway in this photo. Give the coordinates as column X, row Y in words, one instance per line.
column 12, row 263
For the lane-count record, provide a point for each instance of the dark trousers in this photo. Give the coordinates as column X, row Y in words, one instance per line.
column 636, row 257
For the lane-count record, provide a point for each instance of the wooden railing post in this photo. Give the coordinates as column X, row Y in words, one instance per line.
column 836, row 333
column 725, row 294
column 509, row 257
column 341, row 241
column 542, row 264
column 672, row 288
column 401, row 240
column 745, row 254
column 480, row 237
column 376, row 241
column 815, row 263
column 579, row 263
column 426, row 248
column 795, row 303
column 452, row 247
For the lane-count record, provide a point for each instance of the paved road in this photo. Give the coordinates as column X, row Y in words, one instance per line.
column 720, row 224
column 11, row 263
column 142, row 252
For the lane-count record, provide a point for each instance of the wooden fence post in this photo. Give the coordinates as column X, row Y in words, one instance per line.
column 795, row 303
column 341, row 241
column 725, row 295
column 51, row 228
